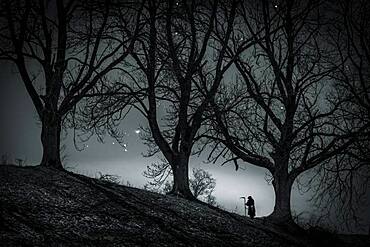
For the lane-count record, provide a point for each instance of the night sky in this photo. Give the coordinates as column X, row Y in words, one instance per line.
column 20, row 138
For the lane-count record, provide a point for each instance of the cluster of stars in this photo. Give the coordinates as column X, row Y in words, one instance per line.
column 124, row 146
column 137, row 131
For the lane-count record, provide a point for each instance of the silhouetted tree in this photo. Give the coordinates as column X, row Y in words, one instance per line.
column 277, row 115
column 344, row 182
column 176, row 45
column 158, row 173
column 62, row 50
column 202, row 184
column 188, row 46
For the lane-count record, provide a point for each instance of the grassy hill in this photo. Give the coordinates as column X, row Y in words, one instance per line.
column 46, row 207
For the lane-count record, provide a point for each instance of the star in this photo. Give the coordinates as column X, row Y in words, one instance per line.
column 137, row 131
column 113, row 143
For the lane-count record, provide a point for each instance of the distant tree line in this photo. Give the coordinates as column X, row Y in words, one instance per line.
column 282, row 85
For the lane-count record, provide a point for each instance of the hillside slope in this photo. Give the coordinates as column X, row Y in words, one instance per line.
column 45, row 207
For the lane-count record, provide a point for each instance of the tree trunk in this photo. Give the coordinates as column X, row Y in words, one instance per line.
column 50, row 139
column 282, row 211
column 180, row 169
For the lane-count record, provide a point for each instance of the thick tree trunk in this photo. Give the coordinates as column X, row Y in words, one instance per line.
column 50, row 139
column 180, row 169
column 282, row 211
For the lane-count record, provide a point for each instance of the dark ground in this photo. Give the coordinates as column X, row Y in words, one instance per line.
column 45, row 207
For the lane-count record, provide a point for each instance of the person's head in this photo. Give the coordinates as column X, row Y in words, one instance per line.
column 249, row 197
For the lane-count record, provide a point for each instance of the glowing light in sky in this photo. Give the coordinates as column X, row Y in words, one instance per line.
column 137, row 131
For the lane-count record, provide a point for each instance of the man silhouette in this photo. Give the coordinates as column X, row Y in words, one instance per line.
column 251, row 208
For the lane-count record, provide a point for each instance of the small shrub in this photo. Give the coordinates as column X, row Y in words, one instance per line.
column 109, row 178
